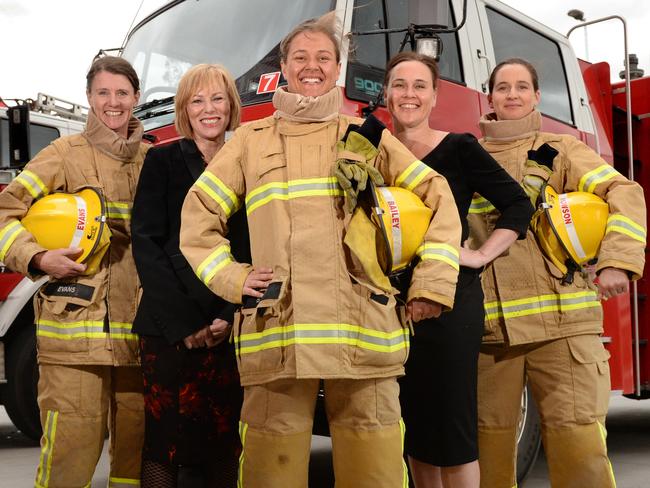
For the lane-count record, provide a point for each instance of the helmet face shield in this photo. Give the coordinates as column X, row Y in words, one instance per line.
column 64, row 220
column 571, row 227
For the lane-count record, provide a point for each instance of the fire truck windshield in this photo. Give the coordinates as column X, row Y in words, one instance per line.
column 242, row 36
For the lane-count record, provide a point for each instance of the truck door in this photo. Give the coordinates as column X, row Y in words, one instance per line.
column 458, row 106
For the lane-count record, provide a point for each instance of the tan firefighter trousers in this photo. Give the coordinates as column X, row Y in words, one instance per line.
column 78, row 405
column 365, row 425
column 569, row 380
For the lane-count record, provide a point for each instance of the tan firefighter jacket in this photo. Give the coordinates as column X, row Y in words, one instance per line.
column 524, row 299
column 87, row 319
column 315, row 320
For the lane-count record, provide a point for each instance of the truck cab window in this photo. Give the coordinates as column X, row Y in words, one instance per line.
column 369, row 54
column 511, row 39
column 39, row 137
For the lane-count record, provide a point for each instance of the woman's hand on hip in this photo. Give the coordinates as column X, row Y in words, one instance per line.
column 257, row 282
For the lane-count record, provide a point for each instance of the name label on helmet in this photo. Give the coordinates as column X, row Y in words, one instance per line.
column 569, row 225
column 75, row 290
column 81, row 218
column 566, row 211
column 395, row 223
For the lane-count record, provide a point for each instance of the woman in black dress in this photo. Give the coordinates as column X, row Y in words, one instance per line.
column 191, row 385
column 438, row 393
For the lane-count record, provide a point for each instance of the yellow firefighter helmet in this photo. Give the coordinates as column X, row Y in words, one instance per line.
column 63, row 220
column 403, row 220
column 570, row 227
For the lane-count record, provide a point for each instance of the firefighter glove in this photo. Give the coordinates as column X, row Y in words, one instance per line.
column 539, row 168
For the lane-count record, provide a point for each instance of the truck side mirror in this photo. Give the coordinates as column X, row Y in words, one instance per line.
column 19, row 153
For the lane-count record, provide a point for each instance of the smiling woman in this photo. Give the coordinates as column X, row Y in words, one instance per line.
column 182, row 324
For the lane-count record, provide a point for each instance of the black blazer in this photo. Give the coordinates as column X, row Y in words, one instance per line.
column 175, row 303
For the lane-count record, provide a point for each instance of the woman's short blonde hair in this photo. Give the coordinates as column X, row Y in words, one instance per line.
column 197, row 77
column 327, row 24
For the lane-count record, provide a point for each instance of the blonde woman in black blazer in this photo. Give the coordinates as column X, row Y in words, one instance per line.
column 191, row 384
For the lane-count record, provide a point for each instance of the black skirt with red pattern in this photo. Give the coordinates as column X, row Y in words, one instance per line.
column 192, row 402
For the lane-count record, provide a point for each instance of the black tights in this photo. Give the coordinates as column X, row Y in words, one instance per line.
column 221, row 472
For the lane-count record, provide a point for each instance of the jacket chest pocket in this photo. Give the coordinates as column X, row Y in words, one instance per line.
column 272, row 166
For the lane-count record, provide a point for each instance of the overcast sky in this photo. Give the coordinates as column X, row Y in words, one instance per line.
column 47, row 45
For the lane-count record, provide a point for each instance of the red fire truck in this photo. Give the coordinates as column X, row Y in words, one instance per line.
column 578, row 98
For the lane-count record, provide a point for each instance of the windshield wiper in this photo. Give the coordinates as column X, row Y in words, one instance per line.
column 155, row 113
column 153, row 103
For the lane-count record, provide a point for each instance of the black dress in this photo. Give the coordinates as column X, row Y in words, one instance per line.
column 192, row 397
column 438, row 393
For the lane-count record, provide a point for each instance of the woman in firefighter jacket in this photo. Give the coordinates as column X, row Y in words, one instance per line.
column 305, row 317
column 191, row 385
column 438, row 393
column 88, row 357
column 543, row 323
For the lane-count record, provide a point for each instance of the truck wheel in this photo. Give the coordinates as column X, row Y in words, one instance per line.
column 22, row 377
column 529, row 438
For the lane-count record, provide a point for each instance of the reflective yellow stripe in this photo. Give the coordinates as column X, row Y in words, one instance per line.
column 219, row 192
column 8, row 236
column 603, row 436
column 122, row 482
column 89, row 329
column 118, row 210
column 352, row 335
column 413, row 175
column 278, row 190
column 439, row 252
column 45, row 463
column 480, row 205
column 544, row 303
column 405, row 471
column 219, row 258
column 243, row 428
column 624, row 225
column 32, row 183
column 596, row 176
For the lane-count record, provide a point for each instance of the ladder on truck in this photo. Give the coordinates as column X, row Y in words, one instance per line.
column 52, row 105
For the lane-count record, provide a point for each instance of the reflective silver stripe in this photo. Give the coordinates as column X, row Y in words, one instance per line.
column 323, row 334
column 590, row 180
column 219, row 192
column 624, row 225
column 440, row 252
column 8, row 236
column 307, row 187
column 213, row 263
column 541, row 304
column 413, row 175
column 118, row 210
column 32, row 184
column 49, row 434
column 480, row 205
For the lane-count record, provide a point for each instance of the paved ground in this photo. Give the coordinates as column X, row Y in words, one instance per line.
column 629, row 444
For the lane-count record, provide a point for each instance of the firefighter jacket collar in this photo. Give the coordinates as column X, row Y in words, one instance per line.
column 510, row 130
column 110, row 142
column 297, row 108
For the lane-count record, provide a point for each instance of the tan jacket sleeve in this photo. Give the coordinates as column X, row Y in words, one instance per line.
column 213, row 198
column 625, row 237
column 41, row 176
column 436, row 274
